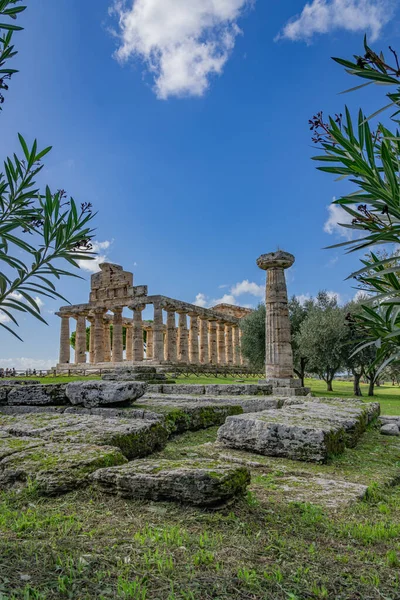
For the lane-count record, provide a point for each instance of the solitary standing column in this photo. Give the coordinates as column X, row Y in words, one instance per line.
column 158, row 335
column 212, row 342
column 221, row 342
column 149, row 343
column 170, row 342
column 64, row 339
column 118, row 344
column 194, row 339
column 137, row 334
column 236, row 346
column 228, row 344
column 80, row 339
column 107, row 342
column 278, row 348
column 129, row 342
column 99, row 335
column 183, row 351
column 204, row 348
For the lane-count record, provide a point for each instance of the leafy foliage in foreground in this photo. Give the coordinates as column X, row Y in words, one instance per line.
column 38, row 231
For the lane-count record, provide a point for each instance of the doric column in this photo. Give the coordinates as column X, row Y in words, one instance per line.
column 204, row 347
column 194, row 339
column 129, row 342
column 80, row 339
column 137, row 334
column 107, row 341
column 236, row 346
column 278, row 347
column 158, row 335
column 183, row 350
column 228, row 344
column 170, row 342
column 118, row 342
column 99, row 335
column 221, row 343
column 91, row 340
column 64, row 339
column 212, row 342
column 149, row 342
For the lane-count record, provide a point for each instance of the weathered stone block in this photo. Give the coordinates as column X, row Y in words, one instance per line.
column 38, row 395
column 176, row 389
column 390, row 429
column 56, row 468
column 282, row 433
column 104, row 393
column 203, row 483
column 11, row 445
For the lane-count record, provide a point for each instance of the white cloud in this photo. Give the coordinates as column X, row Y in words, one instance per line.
column 334, row 296
column 226, row 299
column 201, row 300
column 303, row 298
column 92, row 266
column 247, row 287
column 181, row 42
column 361, row 295
column 338, row 215
column 4, row 318
column 27, row 363
column 324, row 16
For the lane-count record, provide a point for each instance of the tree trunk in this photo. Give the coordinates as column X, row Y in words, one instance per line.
column 371, row 387
column 356, row 384
column 329, row 385
column 302, row 371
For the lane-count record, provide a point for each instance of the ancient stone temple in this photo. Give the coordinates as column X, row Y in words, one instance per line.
column 212, row 336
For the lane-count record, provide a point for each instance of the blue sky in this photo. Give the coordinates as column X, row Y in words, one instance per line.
column 185, row 123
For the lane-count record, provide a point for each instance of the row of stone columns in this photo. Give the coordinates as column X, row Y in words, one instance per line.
column 206, row 341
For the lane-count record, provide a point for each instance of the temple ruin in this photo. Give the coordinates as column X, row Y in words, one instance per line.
column 212, row 338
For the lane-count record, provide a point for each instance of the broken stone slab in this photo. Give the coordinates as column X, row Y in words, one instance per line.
column 385, row 419
column 91, row 394
column 114, row 413
column 282, row 433
column 202, row 483
column 390, row 429
column 178, row 389
column 23, row 410
column 11, row 445
column 134, row 437
column 38, row 395
column 56, row 468
column 247, row 403
column 14, row 382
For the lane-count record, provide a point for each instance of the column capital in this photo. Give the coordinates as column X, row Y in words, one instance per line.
column 275, row 260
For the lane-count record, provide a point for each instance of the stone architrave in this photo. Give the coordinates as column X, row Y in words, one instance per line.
column 99, row 335
column 64, row 339
column 183, row 350
column 129, row 342
column 228, row 344
column 236, row 346
column 221, row 343
column 212, row 342
column 194, row 339
column 80, row 339
column 170, row 342
column 158, row 335
column 138, row 334
column 118, row 344
column 204, row 347
column 107, row 341
column 279, row 355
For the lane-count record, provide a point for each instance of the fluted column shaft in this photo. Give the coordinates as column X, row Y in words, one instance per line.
column 204, row 347
column 194, row 340
column 137, row 334
column 80, row 339
column 64, row 340
column 129, row 343
column 118, row 343
column 183, row 351
column 221, row 343
column 107, row 342
column 149, row 343
column 228, row 344
column 236, row 346
column 98, row 336
column 212, row 340
column 158, row 335
column 91, row 341
column 170, row 342
column 279, row 355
